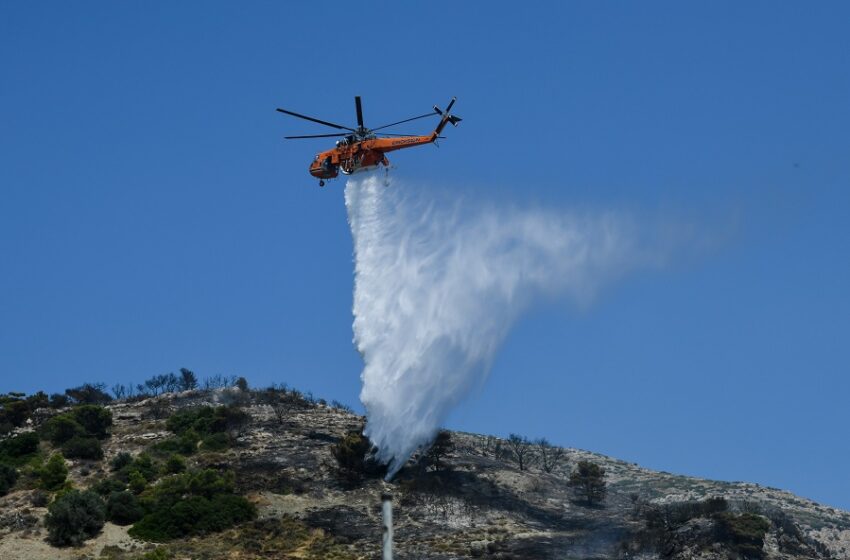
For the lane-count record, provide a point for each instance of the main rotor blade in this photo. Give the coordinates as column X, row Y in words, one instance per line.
column 452, row 102
column 359, row 111
column 315, row 136
column 406, row 120
column 306, row 118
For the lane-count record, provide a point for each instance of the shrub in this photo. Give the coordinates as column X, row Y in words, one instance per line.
column 61, row 428
column 39, row 498
column 175, row 464
column 83, row 448
column 19, row 446
column 744, row 533
column 123, row 508
column 352, row 457
column 74, row 517
column 107, row 486
column 8, row 477
column 137, row 482
column 120, row 461
column 94, row 419
column 207, row 420
column 185, row 444
column 58, row 401
column 53, row 473
column 215, row 442
column 189, row 504
column 143, row 464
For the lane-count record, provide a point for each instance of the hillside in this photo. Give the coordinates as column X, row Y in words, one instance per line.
column 475, row 502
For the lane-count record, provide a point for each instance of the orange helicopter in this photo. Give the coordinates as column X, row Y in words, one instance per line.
column 364, row 149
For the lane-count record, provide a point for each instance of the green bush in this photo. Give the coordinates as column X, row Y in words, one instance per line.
column 95, row 420
column 175, row 464
column 19, row 446
column 352, row 454
column 18, row 450
column 207, row 420
column 185, row 444
column 137, row 482
column 61, row 428
column 53, row 473
column 74, row 517
column 120, row 461
column 189, row 504
column 83, row 448
column 744, row 533
column 143, row 464
column 8, row 477
column 123, row 508
column 215, row 442
column 107, row 486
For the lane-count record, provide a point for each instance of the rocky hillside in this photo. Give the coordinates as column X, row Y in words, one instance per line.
column 295, row 461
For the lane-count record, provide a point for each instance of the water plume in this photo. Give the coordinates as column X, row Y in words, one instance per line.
column 438, row 285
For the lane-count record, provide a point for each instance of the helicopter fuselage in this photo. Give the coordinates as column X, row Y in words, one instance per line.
column 352, row 156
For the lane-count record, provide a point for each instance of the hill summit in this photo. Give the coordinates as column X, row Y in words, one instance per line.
column 230, row 472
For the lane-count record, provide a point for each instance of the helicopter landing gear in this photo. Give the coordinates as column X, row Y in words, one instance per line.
column 321, row 183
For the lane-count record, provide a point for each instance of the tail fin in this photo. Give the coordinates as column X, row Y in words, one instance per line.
column 447, row 118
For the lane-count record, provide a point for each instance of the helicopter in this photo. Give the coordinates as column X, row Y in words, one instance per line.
column 364, row 149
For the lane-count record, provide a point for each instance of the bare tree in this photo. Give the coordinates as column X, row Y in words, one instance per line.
column 520, row 447
column 119, row 390
column 550, row 456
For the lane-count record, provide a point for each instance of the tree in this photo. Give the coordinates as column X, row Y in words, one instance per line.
column 550, row 456
column 75, row 517
column 89, row 393
column 520, row 447
column 188, row 380
column 242, row 384
column 588, row 481
column 442, row 446
column 53, row 473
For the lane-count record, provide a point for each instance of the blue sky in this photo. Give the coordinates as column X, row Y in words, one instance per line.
column 152, row 217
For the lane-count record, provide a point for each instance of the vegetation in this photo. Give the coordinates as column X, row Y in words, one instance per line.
column 521, row 450
column 549, row 456
column 74, row 517
column 61, row 428
column 353, row 460
column 189, row 504
column 95, row 420
column 8, row 477
column 83, row 448
column 123, row 508
column 588, row 481
column 89, row 393
column 442, row 446
column 18, row 449
column 744, row 533
column 54, row 473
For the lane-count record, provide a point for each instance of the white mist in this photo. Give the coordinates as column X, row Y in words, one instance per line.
column 438, row 285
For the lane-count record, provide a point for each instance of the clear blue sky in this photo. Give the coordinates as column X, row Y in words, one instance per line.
column 152, row 217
